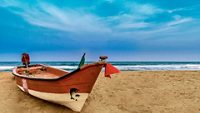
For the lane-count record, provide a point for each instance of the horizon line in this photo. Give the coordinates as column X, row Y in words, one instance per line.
column 115, row 61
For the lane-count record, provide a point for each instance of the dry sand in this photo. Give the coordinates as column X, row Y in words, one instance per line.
column 127, row 92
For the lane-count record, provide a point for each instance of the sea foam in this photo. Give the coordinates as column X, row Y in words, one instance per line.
column 123, row 66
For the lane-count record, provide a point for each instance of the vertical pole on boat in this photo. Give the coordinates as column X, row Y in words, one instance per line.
column 26, row 61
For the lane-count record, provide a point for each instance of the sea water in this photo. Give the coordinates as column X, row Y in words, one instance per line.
column 123, row 66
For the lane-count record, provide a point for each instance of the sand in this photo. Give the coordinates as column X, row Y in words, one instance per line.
column 127, row 92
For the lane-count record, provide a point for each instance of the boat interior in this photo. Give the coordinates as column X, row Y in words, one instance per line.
column 40, row 71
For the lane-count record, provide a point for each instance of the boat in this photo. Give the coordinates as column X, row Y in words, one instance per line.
column 70, row 89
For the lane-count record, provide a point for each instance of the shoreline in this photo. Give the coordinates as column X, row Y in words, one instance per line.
column 127, row 92
column 10, row 71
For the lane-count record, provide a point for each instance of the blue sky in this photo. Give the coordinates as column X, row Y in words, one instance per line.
column 134, row 30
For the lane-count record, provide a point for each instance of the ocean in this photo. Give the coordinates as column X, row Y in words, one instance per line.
column 123, row 66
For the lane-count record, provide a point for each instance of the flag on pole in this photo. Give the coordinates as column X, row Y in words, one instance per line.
column 110, row 69
column 82, row 61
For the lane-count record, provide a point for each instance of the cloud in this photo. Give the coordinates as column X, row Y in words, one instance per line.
column 78, row 20
column 75, row 20
column 189, row 8
column 129, row 22
column 177, row 9
column 179, row 20
column 50, row 16
column 133, row 25
column 67, row 20
column 134, row 16
column 144, row 9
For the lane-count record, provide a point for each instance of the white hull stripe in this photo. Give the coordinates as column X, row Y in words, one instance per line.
column 24, row 85
column 75, row 104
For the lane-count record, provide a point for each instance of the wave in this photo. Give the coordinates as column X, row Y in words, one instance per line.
column 6, row 68
column 128, row 67
column 158, row 67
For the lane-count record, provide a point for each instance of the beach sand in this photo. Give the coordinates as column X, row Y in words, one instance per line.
column 127, row 92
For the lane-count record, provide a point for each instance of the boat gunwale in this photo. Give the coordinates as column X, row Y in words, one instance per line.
column 58, row 78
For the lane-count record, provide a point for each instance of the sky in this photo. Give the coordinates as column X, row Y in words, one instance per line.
column 124, row 30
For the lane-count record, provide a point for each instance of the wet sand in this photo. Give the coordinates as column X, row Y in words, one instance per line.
column 127, row 92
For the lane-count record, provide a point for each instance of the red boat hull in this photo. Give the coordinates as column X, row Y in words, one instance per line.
column 59, row 86
column 82, row 79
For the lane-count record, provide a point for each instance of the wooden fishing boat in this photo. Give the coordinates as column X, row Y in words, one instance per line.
column 70, row 89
